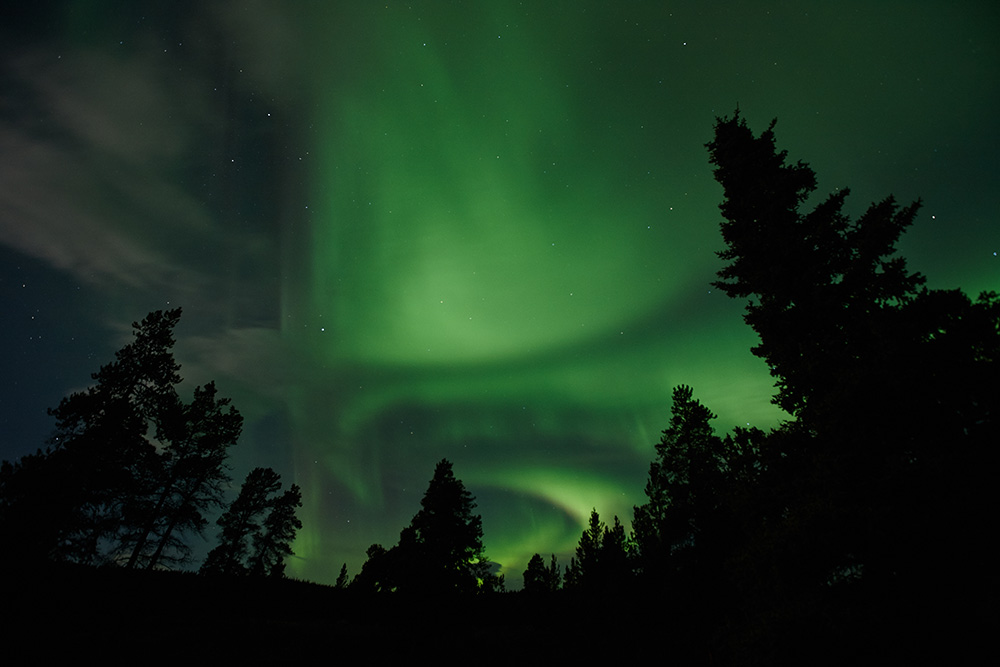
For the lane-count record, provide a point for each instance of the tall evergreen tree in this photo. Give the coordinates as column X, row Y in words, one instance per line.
column 683, row 479
column 588, row 550
column 243, row 525
column 602, row 564
column 191, row 474
column 342, row 580
column 441, row 551
column 825, row 289
column 449, row 535
column 541, row 578
column 375, row 575
column 273, row 544
column 615, row 558
column 891, row 386
column 101, row 434
column 130, row 470
column 553, row 578
column 535, row 576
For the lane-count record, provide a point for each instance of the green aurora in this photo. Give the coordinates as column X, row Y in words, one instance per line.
column 479, row 231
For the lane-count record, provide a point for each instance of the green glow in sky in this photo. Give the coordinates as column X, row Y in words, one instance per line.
column 480, row 231
column 506, row 263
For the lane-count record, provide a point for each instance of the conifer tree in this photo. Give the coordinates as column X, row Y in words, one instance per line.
column 891, row 388
column 683, row 481
column 541, row 578
column 273, row 544
column 342, row 580
column 101, row 435
column 535, row 575
column 257, row 529
column 131, row 468
column 441, row 551
column 191, row 475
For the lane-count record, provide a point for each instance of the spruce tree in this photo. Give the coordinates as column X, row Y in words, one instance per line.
column 243, row 525
column 273, row 544
column 441, row 551
column 891, row 389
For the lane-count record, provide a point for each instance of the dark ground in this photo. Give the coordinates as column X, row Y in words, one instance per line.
column 112, row 616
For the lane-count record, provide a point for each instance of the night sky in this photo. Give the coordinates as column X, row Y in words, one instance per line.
column 481, row 231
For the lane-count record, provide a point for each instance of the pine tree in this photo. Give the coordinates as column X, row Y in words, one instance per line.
column 826, row 290
column 602, row 564
column 441, row 551
column 553, row 576
column 571, row 576
column 242, row 524
column 588, row 550
column 891, row 388
column 539, row 578
column 131, row 469
column 683, row 480
column 535, row 575
column 615, row 558
column 375, row 574
column 192, row 474
column 342, row 579
column 101, row 435
column 273, row 544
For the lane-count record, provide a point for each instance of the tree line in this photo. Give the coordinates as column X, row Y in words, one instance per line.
column 870, row 510
column 132, row 471
column 870, row 507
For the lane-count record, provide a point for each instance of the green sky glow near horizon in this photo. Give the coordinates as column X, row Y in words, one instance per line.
column 479, row 231
column 462, row 242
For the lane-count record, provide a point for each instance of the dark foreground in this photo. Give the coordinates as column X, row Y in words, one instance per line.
column 115, row 616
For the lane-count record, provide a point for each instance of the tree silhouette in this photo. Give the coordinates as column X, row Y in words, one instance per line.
column 441, row 551
column 447, row 538
column 688, row 456
column 273, row 544
column 539, row 578
column 553, row 576
column 588, row 551
column 191, row 472
column 602, row 564
column 342, row 579
column 891, row 386
column 101, row 432
column 693, row 483
column 823, row 286
column 257, row 529
column 375, row 575
column 131, row 469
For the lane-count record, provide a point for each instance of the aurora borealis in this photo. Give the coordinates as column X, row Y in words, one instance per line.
column 483, row 231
